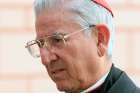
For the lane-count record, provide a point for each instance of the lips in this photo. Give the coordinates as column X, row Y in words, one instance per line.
column 58, row 74
column 57, row 71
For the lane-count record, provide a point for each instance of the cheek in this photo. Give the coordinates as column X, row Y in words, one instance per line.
column 76, row 57
column 81, row 55
column 73, row 62
column 70, row 62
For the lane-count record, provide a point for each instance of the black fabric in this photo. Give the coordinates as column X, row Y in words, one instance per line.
column 117, row 82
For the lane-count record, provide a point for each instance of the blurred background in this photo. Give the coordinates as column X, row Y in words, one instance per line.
column 19, row 72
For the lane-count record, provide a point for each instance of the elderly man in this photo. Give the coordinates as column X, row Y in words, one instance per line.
column 75, row 40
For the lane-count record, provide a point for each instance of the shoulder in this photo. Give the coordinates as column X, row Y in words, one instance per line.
column 137, row 90
column 123, row 84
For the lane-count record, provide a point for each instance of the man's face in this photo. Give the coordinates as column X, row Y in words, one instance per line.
column 73, row 65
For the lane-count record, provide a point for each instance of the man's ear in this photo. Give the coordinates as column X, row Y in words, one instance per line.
column 103, row 36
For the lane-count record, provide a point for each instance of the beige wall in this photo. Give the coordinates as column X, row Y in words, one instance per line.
column 20, row 73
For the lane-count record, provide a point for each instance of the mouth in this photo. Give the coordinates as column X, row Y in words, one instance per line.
column 57, row 71
column 58, row 75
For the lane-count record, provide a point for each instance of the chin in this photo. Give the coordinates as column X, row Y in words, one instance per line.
column 67, row 90
column 66, row 86
column 63, row 86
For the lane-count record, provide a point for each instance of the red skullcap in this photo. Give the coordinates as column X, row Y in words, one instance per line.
column 104, row 4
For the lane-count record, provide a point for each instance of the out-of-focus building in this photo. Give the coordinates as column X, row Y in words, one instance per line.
column 19, row 72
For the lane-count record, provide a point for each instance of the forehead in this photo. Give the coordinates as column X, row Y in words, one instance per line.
column 49, row 21
column 56, row 17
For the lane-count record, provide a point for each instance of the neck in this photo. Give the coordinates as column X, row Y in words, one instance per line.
column 101, row 75
column 104, row 68
column 98, row 84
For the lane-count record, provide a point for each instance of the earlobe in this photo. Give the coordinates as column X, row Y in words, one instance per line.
column 101, row 49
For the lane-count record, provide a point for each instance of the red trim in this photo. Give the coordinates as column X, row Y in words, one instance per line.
column 104, row 4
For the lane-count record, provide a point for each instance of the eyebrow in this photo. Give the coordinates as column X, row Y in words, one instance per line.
column 47, row 36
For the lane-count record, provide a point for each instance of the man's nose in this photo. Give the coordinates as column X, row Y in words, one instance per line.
column 47, row 55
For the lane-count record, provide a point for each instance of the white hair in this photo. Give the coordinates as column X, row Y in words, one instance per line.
column 89, row 13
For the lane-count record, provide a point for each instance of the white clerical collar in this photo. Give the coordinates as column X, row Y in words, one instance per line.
column 97, row 84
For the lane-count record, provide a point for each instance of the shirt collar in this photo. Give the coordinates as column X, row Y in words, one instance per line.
column 97, row 84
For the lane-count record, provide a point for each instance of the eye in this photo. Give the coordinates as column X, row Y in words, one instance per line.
column 57, row 39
